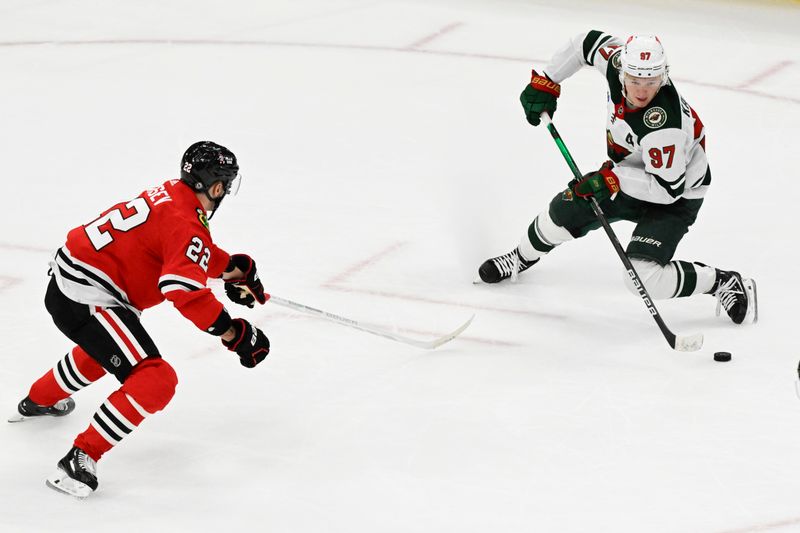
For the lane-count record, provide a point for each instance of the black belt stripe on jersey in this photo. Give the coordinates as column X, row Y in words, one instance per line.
column 73, row 373
column 167, row 283
column 105, row 427
column 100, row 281
column 65, row 379
column 122, row 427
column 70, row 277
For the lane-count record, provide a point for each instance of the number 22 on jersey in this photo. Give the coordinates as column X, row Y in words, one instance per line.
column 125, row 218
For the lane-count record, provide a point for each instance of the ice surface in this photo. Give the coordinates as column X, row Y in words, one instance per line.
column 384, row 157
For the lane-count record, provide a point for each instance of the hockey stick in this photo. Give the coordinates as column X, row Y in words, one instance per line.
column 427, row 345
column 688, row 343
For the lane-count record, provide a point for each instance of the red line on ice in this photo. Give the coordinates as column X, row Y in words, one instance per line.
column 764, row 527
column 423, row 299
column 361, row 265
column 427, row 39
column 7, row 282
column 336, row 284
column 25, row 248
column 334, row 46
column 774, row 69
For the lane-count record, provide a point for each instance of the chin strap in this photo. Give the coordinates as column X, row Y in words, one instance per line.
column 216, row 201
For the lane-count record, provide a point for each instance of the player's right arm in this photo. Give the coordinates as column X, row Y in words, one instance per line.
column 591, row 48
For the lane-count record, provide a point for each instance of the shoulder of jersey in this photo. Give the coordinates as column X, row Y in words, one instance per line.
column 184, row 208
column 597, row 42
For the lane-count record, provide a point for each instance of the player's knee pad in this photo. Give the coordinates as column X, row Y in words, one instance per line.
column 151, row 384
column 657, row 279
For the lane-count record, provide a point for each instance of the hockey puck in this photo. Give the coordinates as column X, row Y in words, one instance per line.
column 722, row 356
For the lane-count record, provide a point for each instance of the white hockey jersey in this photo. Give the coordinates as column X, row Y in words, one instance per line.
column 659, row 150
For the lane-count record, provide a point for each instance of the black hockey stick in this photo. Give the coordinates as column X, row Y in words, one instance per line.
column 681, row 343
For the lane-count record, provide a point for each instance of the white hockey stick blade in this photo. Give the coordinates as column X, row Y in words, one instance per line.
column 428, row 345
column 61, row 482
column 689, row 343
column 447, row 338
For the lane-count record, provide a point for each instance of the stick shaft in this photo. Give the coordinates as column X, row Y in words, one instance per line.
column 637, row 281
column 428, row 345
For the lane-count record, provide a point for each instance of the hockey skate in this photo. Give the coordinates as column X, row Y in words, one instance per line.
column 737, row 296
column 28, row 409
column 76, row 474
column 503, row 267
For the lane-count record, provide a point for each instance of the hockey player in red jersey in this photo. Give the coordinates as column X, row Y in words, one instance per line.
column 657, row 174
column 133, row 256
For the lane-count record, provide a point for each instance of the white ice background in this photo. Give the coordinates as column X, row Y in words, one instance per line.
column 385, row 155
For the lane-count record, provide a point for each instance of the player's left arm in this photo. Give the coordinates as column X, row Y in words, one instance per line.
column 664, row 173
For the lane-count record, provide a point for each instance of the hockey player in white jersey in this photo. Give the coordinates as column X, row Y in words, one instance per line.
column 656, row 176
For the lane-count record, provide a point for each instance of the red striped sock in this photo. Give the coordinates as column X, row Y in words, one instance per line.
column 117, row 417
column 73, row 372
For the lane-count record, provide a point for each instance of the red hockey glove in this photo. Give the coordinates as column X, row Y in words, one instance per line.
column 539, row 95
column 249, row 343
column 250, row 280
column 601, row 184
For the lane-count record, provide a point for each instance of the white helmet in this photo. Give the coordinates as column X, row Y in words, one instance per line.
column 643, row 57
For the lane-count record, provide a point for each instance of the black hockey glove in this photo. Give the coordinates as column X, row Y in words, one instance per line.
column 249, row 343
column 250, row 280
column 539, row 95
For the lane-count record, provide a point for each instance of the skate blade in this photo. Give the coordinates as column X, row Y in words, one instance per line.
column 752, row 295
column 61, row 482
column 16, row 417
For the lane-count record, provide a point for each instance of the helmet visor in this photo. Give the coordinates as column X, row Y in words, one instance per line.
column 233, row 186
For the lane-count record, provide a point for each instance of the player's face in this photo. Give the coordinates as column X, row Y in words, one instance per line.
column 641, row 91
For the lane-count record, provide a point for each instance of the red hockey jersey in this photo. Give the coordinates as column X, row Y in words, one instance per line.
column 139, row 252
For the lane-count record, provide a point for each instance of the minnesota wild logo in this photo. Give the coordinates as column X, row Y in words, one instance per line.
column 616, row 61
column 201, row 215
column 655, row 117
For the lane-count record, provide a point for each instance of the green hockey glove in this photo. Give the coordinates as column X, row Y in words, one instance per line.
column 539, row 95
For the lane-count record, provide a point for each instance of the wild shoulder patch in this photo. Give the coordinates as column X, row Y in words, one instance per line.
column 616, row 60
column 655, row 117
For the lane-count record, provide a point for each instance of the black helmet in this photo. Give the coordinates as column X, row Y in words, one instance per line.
column 204, row 163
